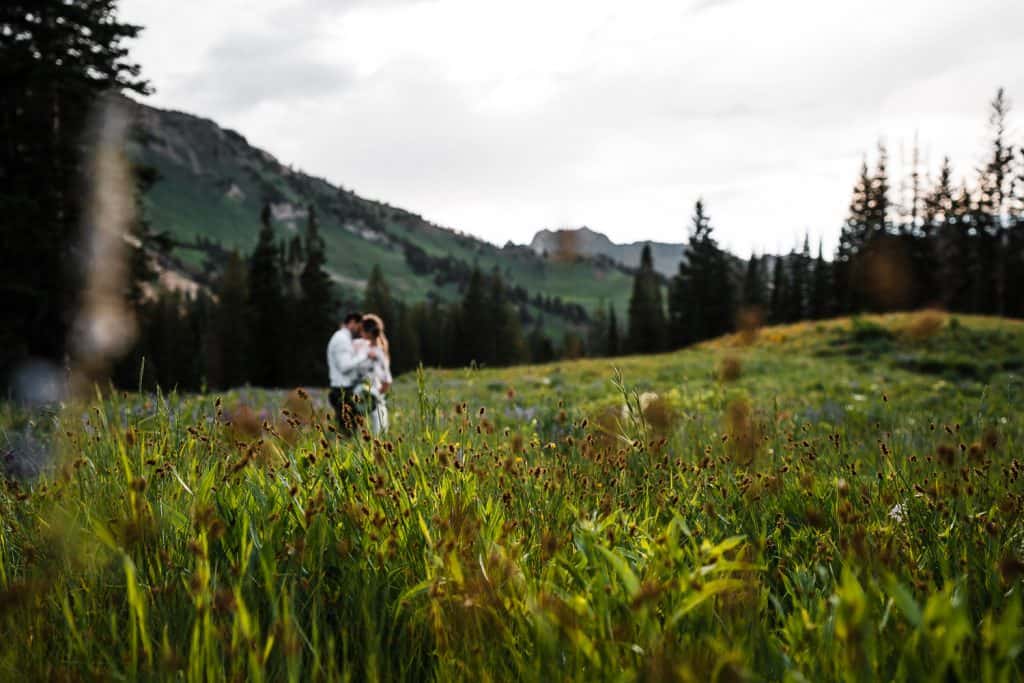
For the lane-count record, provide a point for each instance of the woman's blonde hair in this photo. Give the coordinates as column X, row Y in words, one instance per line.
column 376, row 329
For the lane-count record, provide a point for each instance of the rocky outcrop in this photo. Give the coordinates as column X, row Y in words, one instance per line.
column 569, row 243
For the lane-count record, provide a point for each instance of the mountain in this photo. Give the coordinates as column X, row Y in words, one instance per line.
column 212, row 184
column 560, row 244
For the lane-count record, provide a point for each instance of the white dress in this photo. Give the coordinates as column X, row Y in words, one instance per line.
column 378, row 377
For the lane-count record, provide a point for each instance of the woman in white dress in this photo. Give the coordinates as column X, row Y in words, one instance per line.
column 374, row 390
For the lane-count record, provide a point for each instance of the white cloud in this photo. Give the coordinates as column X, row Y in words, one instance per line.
column 502, row 118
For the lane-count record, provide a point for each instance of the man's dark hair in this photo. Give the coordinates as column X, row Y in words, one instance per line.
column 353, row 318
column 370, row 327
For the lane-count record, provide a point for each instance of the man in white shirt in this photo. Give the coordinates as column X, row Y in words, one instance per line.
column 347, row 366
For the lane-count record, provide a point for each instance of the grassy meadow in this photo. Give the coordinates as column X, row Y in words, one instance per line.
column 835, row 501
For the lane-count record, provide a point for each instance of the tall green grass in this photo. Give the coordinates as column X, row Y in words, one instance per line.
column 798, row 518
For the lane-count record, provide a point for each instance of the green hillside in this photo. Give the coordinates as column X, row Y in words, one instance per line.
column 213, row 185
column 828, row 371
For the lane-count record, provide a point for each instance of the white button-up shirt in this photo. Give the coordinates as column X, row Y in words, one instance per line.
column 346, row 364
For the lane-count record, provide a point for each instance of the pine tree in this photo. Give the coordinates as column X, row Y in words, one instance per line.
column 509, row 345
column 58, row 60
column 853, row 239
column 377, row 297
column 938, row 223
column 141, row 274
column 995, row 190
column 292, row 262
column 878, row 222
column 936, row 209
column 821, row 287
column 684, row 298
column 778, row 311
column 228, row 342
column 429, row 320
column 597, row 334
column 489, row 318
column 266, row 331
column 753, row 296
column 914, row 212
column 453, row 350
column 296, row 252
column 720, row 306
column 957, row 256
column 541, row 348
column 141, row 282
column 646, row 315
column 175, row 344
column 799, row 282
column 476, row 334
column 1015, row 245
column 316, row 311
column 405, row 349
column 864, row 243
column 701, row 300
column 163, row 325
column 913, row 235
column 572, row 345
column 199, row 323
column 614, row 346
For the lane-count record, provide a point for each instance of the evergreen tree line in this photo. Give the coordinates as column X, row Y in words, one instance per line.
column 701, row 296
column 953, row 245
column 267, row 319
column 450, row 270
column 958, row 246
column 490, row 325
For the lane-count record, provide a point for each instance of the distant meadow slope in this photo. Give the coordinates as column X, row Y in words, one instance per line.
column 213, row 184
column 838, row 501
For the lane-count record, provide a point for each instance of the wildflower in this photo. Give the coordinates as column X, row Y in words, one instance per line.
column 743, row 430
column 924, row 326
column 196, row 549
column 224, row 602
column 550, row 544
column 1010, row 568
column 842, row 487
column 729, row 369
column 990, row 440
column 659, row 413
column 898, row 513
column 649, row 591
column 975, row 451
column 245, row 423
column 748, row 322
column 814, row 517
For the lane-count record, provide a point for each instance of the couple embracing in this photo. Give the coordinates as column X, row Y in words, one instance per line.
column 360, row 373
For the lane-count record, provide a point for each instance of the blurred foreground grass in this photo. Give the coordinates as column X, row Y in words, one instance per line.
column 833, row 501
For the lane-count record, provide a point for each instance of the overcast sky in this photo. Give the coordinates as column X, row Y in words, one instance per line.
column 501, row 118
